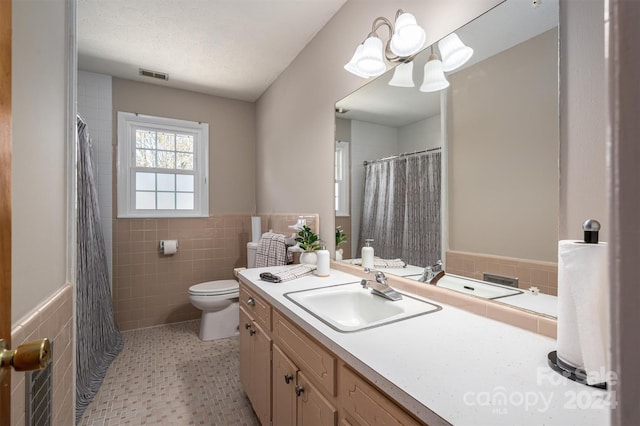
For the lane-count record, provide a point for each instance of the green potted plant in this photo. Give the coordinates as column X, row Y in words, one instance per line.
column 309, row 242
column 341, row 238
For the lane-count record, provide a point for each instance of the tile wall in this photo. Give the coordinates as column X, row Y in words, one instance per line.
column 151, row 289
column 543, row 275
column 54, row 320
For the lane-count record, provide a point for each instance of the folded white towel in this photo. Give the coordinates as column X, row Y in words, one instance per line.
column 287, row 274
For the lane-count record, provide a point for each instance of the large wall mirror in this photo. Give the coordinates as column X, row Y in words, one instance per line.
column 484, row 151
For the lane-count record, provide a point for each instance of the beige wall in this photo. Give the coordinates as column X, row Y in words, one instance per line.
column 42, row 301
column 583, row 164
column 232, row 137
column 503, row 153
column 150, row 289
column 39, row 230
column 295, row 123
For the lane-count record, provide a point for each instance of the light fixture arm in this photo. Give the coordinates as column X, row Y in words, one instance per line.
column 380, row 22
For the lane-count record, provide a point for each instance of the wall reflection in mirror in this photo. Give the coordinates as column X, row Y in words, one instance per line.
column 467, row 174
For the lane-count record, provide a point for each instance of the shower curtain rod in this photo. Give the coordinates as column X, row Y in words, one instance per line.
column 404, row 154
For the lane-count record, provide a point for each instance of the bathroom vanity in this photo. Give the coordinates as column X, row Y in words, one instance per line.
column 448, row 366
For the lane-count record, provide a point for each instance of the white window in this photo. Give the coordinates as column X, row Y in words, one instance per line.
column 162, row 167
column 342, row 179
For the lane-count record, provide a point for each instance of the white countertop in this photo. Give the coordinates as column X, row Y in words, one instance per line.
column 451, row 366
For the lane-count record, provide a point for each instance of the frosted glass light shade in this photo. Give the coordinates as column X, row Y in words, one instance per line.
column 434, row 78
column 403, row 76
column 351, row 65
column 371, row 62
column 454, row 52
column 408, row 37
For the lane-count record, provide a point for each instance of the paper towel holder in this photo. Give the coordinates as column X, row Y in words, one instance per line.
column 570, row 372
column 591, row 227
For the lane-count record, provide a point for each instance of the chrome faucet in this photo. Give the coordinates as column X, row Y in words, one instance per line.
column 432, row 273
column 380, row 287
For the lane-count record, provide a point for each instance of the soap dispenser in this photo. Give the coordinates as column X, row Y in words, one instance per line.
column 324, row 262
column 367, row 254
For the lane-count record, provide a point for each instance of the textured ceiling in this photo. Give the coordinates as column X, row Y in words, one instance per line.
column 229, row 48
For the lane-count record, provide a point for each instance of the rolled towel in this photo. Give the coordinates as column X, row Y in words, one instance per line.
column 288, row 274
column 389, row 263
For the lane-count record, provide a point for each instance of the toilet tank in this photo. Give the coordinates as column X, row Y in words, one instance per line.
column 252, row 248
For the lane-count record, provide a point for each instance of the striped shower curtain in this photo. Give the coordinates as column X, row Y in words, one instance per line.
column 401, row 208
column 98, row 341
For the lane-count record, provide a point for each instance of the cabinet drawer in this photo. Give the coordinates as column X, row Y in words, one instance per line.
column 367, row 405
column 255, row 306
column 318, row 364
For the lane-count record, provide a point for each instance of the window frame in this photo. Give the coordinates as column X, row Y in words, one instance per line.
column 342, row 186
column 128, row 123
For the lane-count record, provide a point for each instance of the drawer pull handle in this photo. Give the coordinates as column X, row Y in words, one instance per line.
column 299, row 390
column 251, row 301
column 252, row 332
column 247, row 326
column 288, row 378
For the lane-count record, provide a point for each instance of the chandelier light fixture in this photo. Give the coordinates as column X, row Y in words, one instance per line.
column 406, row 38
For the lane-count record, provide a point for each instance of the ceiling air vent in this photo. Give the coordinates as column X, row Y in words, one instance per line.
column 153, row 74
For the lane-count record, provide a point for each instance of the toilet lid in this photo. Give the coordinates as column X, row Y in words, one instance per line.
column 215, row 287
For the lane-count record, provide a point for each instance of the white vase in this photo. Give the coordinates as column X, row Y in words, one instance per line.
column 339, row 254
column 308, row 258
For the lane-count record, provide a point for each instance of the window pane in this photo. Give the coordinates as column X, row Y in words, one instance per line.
column 166, row 141
column 166, row 182
column 166, row 160
column 145, row 158
column 184, row 201
column 184, row 183
column 145, row 139
column 145, row 200
column 185, row 161
column 184, row 143
column 166, row 200
column 145, row 181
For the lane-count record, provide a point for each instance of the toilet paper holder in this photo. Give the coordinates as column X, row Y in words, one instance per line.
column 163, row 245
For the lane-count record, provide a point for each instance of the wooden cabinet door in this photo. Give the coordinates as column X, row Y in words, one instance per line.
column 246, row 349
column 255, row 366
column 261, row 353
column 284, row 383
column 312, row 407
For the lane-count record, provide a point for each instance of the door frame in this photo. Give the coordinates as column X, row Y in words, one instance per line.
column 5, row 196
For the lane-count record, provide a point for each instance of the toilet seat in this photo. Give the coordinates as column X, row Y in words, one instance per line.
column 215, row 288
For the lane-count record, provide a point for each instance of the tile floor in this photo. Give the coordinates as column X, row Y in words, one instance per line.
column 167, row 376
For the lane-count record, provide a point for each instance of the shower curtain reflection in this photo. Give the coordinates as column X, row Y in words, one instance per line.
column 401, row 208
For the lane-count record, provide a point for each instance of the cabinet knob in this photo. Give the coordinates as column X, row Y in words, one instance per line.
column 247, row 326
column 252, row 332
column 251, row 301
column 299, row 390
column 288, row 378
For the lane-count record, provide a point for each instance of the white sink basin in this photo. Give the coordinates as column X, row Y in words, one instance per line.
column 475, row 287
column 350, row 307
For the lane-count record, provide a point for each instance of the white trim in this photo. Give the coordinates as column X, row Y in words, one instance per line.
column 344, row 184
column 126, row 164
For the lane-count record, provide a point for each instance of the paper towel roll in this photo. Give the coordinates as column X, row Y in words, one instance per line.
column 583, row 307
column 256, row 229
column 168, row 247
column 323, row 263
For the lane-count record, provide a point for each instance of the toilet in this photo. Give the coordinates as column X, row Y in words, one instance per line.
column 218, row 301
